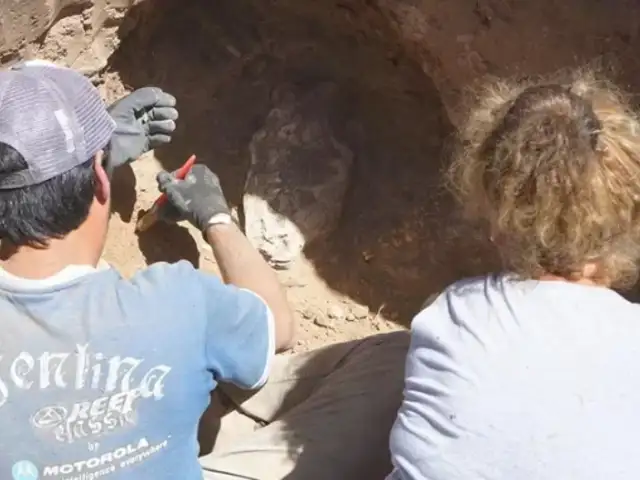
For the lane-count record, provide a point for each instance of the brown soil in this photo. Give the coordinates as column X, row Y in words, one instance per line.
column 399, row 240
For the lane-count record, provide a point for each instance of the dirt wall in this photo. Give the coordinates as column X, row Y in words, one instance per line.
column 78, row 33
column 461, row 39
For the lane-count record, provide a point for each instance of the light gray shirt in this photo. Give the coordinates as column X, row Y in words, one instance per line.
column 509, row 380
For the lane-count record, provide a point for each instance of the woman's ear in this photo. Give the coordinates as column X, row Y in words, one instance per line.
column 103, row 185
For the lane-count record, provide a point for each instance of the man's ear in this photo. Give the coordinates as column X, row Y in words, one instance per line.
column 103, row 185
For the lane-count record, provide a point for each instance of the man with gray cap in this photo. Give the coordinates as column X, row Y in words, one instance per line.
column 102, row 376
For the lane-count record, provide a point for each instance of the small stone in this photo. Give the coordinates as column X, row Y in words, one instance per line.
column 336, row 313
column 350, row 317
column 307, row 313
column 360, row 311
column 323, row 321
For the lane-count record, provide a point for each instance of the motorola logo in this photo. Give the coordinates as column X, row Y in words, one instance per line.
column 24, row 470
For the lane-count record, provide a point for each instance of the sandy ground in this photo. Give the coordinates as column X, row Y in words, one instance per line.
column 399, row 239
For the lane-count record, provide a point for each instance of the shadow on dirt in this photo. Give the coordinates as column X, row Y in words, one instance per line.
column 124, row 183
column 169, row 243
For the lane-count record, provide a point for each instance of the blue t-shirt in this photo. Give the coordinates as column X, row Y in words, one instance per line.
column 105, row 377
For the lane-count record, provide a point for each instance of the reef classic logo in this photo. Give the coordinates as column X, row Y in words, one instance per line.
column 24, row 470
column 121, row 381
column 49, row 417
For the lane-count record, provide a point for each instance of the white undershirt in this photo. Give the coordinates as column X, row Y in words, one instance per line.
column 67, row 274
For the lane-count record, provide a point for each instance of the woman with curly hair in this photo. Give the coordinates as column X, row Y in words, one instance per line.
column 534, row 373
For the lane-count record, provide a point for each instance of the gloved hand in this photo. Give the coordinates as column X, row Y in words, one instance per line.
column 198, row 198
column 145, row 119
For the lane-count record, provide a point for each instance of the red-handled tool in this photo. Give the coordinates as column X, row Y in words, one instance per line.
column 151, row 216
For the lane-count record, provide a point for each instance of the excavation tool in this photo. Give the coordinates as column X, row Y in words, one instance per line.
column 150, row 217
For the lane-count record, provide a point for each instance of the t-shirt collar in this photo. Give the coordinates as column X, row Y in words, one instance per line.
column 66, row 275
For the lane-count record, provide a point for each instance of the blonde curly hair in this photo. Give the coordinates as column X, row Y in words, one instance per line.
column 553, row 167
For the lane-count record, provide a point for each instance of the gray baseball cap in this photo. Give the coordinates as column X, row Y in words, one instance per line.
column 54, row 117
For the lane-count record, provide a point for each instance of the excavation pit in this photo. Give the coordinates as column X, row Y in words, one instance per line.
column 398, row 67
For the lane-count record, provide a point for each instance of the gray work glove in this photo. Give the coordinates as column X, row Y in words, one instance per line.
column 198, row 198
column 145, row 119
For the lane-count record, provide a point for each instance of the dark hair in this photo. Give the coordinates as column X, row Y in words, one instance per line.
column 52, row 209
